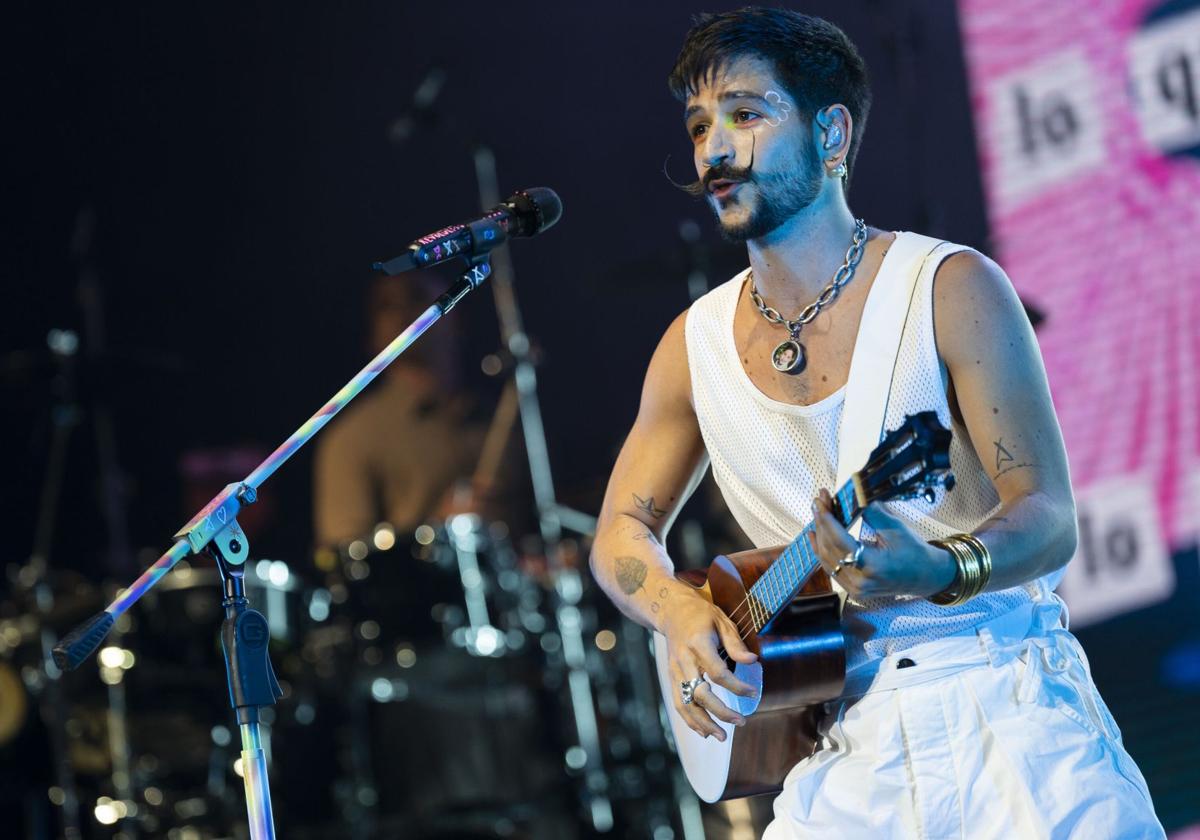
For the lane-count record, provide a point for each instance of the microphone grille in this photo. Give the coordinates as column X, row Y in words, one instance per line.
column 539, row 208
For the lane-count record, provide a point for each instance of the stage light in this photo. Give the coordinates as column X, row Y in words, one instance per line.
column 576, row 757
column 385, row 536
column 487, row 640
column 279, row 574
column 106, row 811
column 221, row 736
column 305, row 714
column 606, row 640
column 318, row 607
column 381, row 690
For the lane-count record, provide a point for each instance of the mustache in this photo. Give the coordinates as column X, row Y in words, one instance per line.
column 724, row 171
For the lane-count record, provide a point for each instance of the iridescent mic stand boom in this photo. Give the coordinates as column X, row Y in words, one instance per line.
column 215, row 530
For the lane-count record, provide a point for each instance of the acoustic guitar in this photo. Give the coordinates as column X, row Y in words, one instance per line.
column 784, row 604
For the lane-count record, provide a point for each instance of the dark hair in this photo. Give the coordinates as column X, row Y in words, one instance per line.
column 815, row 61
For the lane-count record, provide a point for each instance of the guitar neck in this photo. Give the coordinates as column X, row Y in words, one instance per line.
column 779, row 584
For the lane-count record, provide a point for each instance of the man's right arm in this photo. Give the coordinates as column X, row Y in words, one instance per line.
column 661, row 463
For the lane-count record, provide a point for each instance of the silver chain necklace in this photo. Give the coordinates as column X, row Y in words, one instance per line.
column 789, row 356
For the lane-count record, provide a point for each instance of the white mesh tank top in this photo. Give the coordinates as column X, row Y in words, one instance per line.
column 770, row 458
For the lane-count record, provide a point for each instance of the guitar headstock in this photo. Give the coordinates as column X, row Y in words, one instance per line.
column 909, row 462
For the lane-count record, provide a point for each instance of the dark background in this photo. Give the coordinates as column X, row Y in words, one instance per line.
column 236, row 162
column 242, row 180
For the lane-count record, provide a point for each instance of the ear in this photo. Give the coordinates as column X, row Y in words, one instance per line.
column 835, row 128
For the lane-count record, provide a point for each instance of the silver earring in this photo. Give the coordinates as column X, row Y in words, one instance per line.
column 839, row 171
column 833, row 136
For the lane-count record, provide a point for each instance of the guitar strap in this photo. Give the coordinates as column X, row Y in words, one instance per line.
column 873, row 364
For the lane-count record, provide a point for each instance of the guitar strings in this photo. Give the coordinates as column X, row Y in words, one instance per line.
column 748, row 617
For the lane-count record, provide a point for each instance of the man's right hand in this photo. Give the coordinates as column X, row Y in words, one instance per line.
column 693, row 627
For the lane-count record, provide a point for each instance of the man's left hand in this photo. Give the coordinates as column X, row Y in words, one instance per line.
column 896, row 562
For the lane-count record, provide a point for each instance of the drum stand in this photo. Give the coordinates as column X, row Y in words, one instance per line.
column 552, row 519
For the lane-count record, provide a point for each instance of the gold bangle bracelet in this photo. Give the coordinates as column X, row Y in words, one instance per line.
column 949, row 596
column 974, row 564
column 985, row 560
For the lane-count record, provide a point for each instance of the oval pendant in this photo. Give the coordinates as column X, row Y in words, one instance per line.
column 788, row 357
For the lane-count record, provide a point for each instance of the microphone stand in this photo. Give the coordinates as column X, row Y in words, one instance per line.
column 215, row 531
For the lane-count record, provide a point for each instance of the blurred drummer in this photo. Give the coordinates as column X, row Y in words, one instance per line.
column 417, row 445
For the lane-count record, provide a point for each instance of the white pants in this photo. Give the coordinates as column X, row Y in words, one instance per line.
column 998, row 733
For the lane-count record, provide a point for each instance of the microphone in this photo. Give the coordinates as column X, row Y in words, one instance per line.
column 524, row 213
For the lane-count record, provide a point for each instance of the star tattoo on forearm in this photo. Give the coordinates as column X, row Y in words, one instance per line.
column 647, row 506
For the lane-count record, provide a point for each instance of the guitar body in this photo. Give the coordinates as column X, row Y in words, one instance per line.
column 794, row 627
column 801, row 664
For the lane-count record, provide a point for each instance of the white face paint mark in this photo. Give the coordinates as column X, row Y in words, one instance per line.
column 782, row 107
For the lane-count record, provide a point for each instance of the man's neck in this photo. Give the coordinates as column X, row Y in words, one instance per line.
column 794, row 262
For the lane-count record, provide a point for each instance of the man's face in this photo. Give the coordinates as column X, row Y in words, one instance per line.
column 752, row 148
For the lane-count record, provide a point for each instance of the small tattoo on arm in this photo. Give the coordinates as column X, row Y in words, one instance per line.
column 1005, row 462
column 631, row 574
column 1009, row 469
column 662, row 593
column 647, row 506
column 639, row 531
column 1003, row 456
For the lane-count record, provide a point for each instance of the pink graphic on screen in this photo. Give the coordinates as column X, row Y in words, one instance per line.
column 1089, row 136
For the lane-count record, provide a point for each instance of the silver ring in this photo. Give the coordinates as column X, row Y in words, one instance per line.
column 687, row 689
column 853, row 559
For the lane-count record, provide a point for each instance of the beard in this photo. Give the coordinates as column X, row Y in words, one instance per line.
column 780, row 196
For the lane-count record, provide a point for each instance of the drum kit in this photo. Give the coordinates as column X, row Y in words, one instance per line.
column 427, row 693
column 449, row 682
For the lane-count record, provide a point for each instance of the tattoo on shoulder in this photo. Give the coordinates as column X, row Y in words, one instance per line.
column 1006, row 462
column 631, row 574
column 647, row 506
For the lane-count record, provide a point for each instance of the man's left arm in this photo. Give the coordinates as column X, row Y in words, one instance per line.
column 997, row 383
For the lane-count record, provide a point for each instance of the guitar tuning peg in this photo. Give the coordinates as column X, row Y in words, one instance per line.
column 929, row 495
column 950, row 481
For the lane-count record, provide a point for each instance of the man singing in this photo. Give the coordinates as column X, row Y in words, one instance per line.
column 969, row 710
